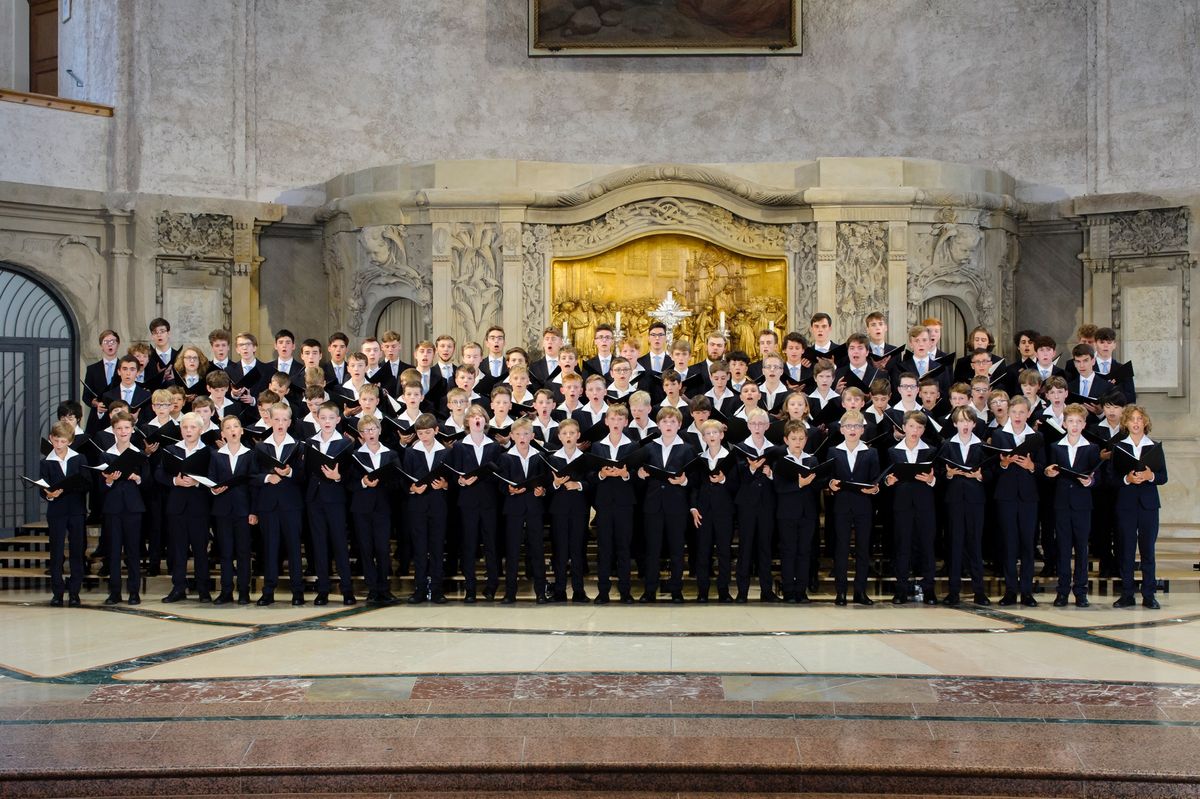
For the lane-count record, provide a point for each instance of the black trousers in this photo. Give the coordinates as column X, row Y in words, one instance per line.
column 671, row 527
column 328, row 524
column 614, row 539
column 1018, row 525
column 756, row 528
column 479, row 528
column 66, row 532
column 966, row 540
column 124, row 534
column 525, row 528
column 1072, row 528
column 714, row 534
column 183, row 531
column 282, row 527
column 914, row 522
column 233, row 542
column 568, row 532
column 796, row 536
column 1137, row 527
column 373, row 531
column 427, row 532
column 852, row 516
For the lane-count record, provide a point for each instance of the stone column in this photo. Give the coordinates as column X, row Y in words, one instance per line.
column 826, row 273
column 897, row 266
column 513, row 262
column 441, row 277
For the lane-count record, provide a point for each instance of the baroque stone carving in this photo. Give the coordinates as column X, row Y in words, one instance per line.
column 861, row 271
column 949, row 262
column 669, row 212
column 387, row 267
column 1148, row 232
column 747, row 190
column 195, row 235
column 477, row 290
column 535, row 246
column 801, row 244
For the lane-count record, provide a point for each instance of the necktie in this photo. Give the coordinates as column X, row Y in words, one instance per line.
column 657, row 363
column 166, row 357
column 448, row 372
column 551, row 365
column 337, row 370
column 795, row 372
column 1084, row 384
column 127, row 395
column 1103, row 367
column 921, row 368
column 604, row 365
column 859, row 373
column 495, row 367
column 425, row 383
column 108, row 372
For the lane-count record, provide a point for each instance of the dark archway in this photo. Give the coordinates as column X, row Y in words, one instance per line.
column 37, row 372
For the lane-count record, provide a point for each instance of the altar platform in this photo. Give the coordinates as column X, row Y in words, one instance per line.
column 662, row 700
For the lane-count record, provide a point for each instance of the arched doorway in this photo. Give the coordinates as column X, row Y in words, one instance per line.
column 403, row 316
column 37, row 372
column 954, row 324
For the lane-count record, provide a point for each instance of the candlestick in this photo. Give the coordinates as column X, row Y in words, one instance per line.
column 771, row 326
column 565, row 336
column 618, row 325
column 722, row 320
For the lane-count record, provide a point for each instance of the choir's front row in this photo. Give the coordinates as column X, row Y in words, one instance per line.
column 769, row 496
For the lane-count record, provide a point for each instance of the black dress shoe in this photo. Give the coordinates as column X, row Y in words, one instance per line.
column 580, row 599
column 1125, row 602
column 840, row 600
column 223, row 598
column 489, row 596
column 560, row 598
column 626, row 599
column 349, row 599
column 386, row 598
column 1151, row 603
column 175, row 596
column 676, row 598
column 134, row 599
column 1082, row 602
column 321, row 600
column 440, row 599
column 540, row 599
column 725, row 599
column 701, row 599
column 1008, row 599
column 510, row 600
column 899, row 599
column 982, row 599
column 647, row 598
column 469, row 599
column 1060, row 601
column 115, row 599
column 73, row 601
column 741, row 599
column 601, row 599
column 769, row 596
column 56, row 601
column 266, row 599
column 243, row 597
column 863, row 599
column 930, row 599
column 803, row 599
column 417, row 599
column 205, row 598
column 952, row 600
column 1028, row 601
column 298, row 600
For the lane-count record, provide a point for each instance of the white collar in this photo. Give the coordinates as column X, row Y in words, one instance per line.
column 1129, row 440
column 750, row 443
column 1062, row 442
column 225, row 450
column 114, row 451
column 974, row 439
column 1008, row 428
column 492, row 422
column 920, row 446
column 382, row 449
column 287, row 439
column 420, row 447
column 538, row 423
column 721, row 453
column 514, row 451
column 317, row 438
column 649, row 424
column 53, row 456
column 899, row 406
column 562, row 453
column 861, row 446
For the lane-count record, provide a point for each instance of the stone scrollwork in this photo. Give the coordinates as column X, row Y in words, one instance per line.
column 477, row 291
column 1148, row 232
column 208, row 236
column 949, row 262
column 388, row 268
column 801, row 245
column 861, row 270
column 536, row 247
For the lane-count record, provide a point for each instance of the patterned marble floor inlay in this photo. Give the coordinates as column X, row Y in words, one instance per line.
column 285, row 690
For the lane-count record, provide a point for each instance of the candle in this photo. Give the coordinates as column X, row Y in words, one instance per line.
column 618, row 320
column 565, row 336
column 722, row 320
column 771, row 326
column 668, row 302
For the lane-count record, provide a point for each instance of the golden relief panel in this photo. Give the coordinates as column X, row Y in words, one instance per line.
column 634, row 278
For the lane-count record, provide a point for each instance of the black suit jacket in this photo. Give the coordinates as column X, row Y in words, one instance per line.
column 540, row 375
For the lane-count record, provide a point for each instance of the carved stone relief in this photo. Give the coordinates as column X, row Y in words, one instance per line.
column 477, row 290
column 801, row 245
column 948, row 260
column 388, row 270
column 195, row 235
column 1148, row 232
column 535, row 268
column 862, row 253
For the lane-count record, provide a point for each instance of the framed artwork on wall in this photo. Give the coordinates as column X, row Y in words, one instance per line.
column 664, row 27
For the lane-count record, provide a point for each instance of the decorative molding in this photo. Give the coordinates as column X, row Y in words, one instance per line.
column 476, row 277
column 862, row 272
column 1148, row 232
column 949, row 261
column 682, row 173
column 801, row 245
column 535, row 267
column 207, row 236
column 388, row 267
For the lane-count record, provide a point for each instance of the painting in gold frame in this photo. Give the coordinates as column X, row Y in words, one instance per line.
column 634, row 278
column 664, row 27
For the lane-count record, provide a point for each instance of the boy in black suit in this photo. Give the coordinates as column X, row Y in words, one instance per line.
column 99, row 377
column 712, row 506
column 231, row 510
column 854, row 462
column 477, row 507
column 796, row 515
column 325, row 501
column 666, row 504
column 755, row 502
column 65, row 512
column 426, row 510
column 123, row 506
column 187, row 508
column 1073, row 503
column 913, row 510
column 523, row 513
column 614, row 503
column 1016, row 496
column 277, row 499
column 962, row 458
column 371, row 510
column 568, row 516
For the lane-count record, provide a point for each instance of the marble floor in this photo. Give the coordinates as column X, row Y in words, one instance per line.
column 1040, row 701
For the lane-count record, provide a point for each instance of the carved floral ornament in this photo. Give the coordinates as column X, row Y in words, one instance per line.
column 195, row 235
column 1148, row 232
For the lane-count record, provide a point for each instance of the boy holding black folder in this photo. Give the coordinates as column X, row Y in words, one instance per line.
column 472, row 459
column 524, row 472
column 229, row 469
column 65, row 491
column 712, row 508
column 371, row 509
column 794, row 475
column 855, row 471
column 424, row 465
column 963, row 457
column 325, row 500
column 187, row 507
column 278, row 502
column 1022, row 458
column 614, row 503
column 122, row 471
column 912, row 479
column 755, row 502
column 1139, row 467
column 666, row 503
column 1073, row 460
column 568, row 513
